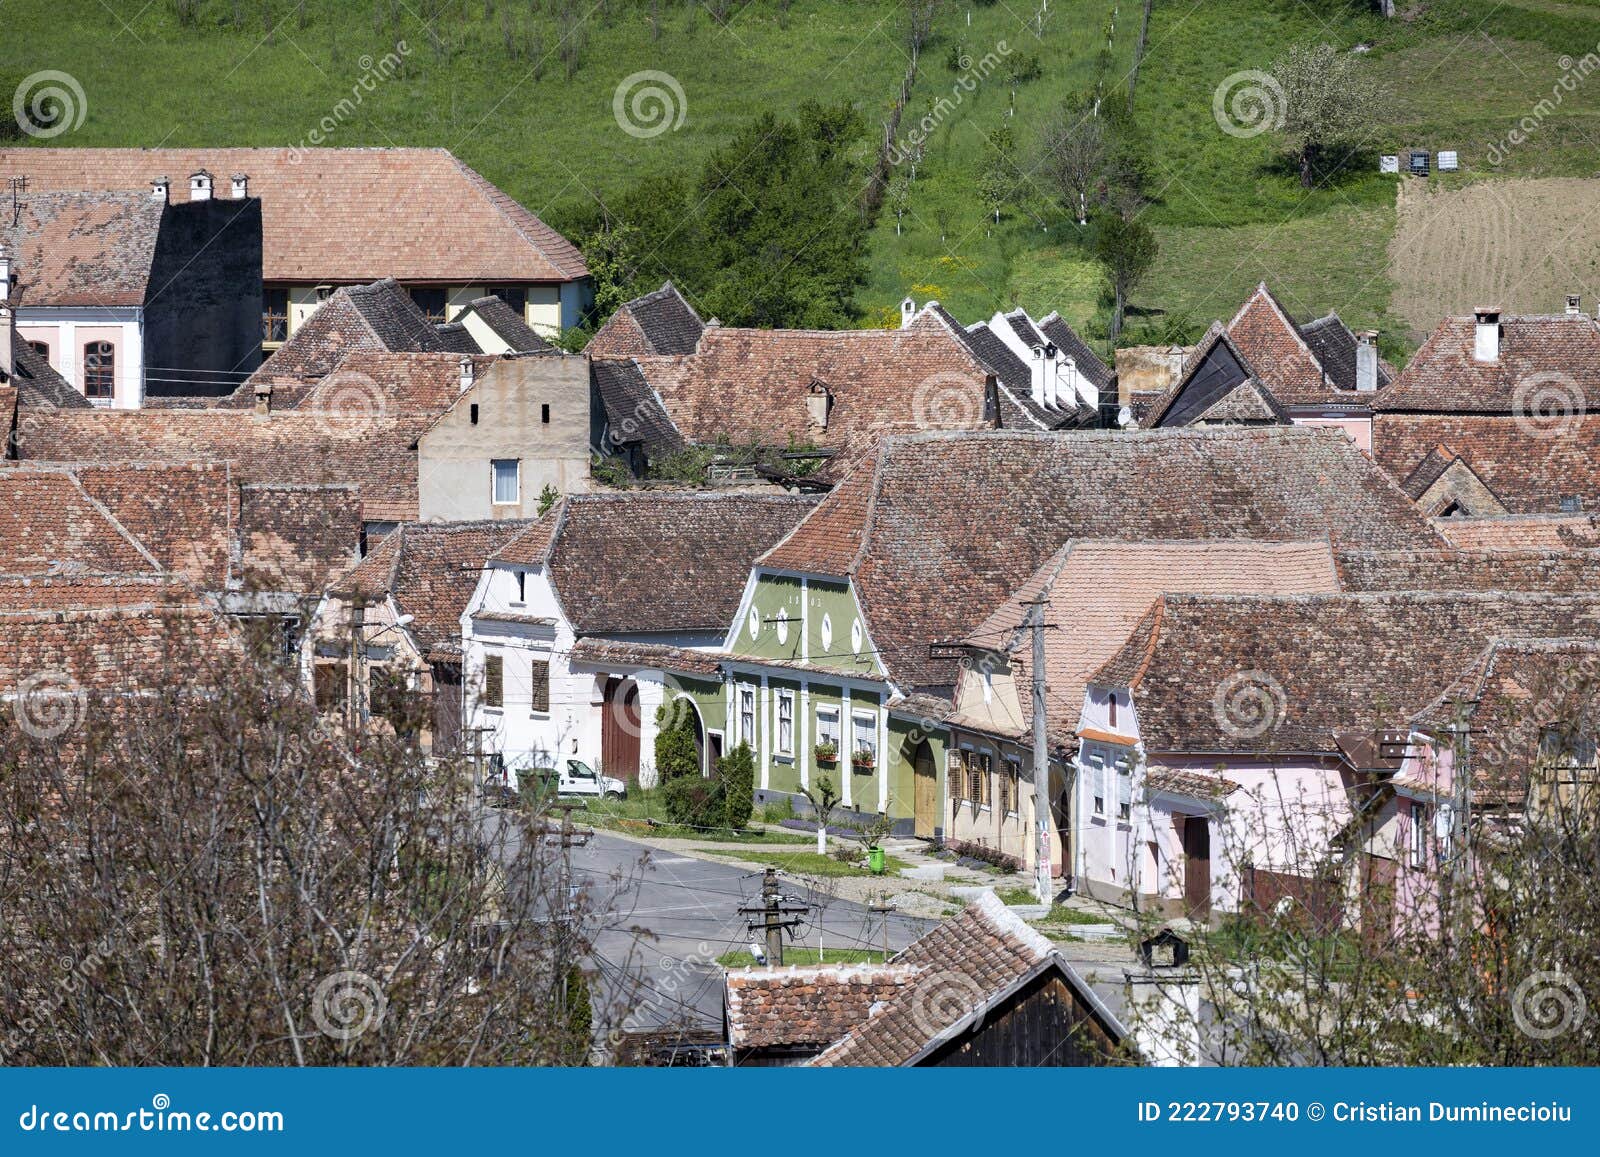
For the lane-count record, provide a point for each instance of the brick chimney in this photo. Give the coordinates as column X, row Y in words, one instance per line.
column 241, row 186
column 1486, row 335
column 5, row 311
column 160, row 189
column 1574, row 304
column 200, row 186
column 466, row 372
column 1367, row 360
column 263, row 391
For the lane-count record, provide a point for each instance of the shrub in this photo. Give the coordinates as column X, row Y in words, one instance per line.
column 675, row 752
column 692, row 801
column 736, row 772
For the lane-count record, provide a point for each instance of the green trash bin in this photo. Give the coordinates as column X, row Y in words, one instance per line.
column 875, row 860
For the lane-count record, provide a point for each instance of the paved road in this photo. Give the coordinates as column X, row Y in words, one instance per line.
column 686, row 912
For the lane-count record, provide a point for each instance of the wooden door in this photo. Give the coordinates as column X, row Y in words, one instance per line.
column 446, row 737
column 619, row 730
column 1197, row 867
column 927, row 792
column 1377, row 900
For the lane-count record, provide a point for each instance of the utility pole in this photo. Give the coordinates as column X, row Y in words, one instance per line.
column 883, row 908
column 570, row 837
column 775, row 916
column 1041, row 758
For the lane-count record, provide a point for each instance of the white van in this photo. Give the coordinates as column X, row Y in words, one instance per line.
column 576, row 778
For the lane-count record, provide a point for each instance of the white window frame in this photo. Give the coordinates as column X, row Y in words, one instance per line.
column 746, row 719
column 870, row 720
column 1014, row 769
column 1097, row 782
column 1417, row 853
column 494, row 481
column 1124, row 771
column 828, row 721
column 782, row 745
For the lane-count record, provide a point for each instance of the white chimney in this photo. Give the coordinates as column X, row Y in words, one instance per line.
column 466, row 372
column 1486, row 339
column 1367, row 360
column 159, row 188
column 1052, row 397
column 1036, row 383
column 5, row 311
column 1574, row 304
column 908, row 310
column 1069, row 387
column 200, row 186
column 241, row 186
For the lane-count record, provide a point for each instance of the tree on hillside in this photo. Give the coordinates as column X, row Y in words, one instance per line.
column 1075, row 151
column 1329, row 99
column 1127, row 248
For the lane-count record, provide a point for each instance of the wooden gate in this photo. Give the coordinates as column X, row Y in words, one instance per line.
column 619, row 729
column 446, row 737
column 927, row 791
column 1197, row 867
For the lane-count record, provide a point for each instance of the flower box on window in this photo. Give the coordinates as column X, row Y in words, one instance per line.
column 826, row 753
column 865, row 759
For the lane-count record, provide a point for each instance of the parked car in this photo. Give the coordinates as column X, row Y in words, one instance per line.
column 574, row 777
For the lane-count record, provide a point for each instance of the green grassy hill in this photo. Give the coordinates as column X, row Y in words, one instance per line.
column 523, row 90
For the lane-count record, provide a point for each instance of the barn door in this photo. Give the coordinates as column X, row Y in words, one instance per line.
column 927, row 791
column 1197, row 867
column 619, row 732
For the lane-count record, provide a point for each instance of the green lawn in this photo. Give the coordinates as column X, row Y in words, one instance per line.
column 809, row 863
column 642, row 812
column 803, row 954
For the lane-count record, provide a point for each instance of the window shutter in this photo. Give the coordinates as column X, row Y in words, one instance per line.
column 955, row 772
column 494, row 667
column 539, row 684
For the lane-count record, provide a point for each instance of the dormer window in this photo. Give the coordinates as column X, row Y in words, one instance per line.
column 1111, row 714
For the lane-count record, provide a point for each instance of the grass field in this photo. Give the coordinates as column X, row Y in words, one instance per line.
column 807, row 863
column 490, row 80
column 802, row 954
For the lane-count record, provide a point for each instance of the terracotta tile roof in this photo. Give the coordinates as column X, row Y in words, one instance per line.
column 633, row 410
column 1556, row 355
column 182, row 513
column 752, row 385
column 1522, row 532
column 390, row 383
column 966, row 965
column 1556, row 570
column 611, row 652
column 506, row 323
column 652, row 561
column 1335, row 348
column 939, row 529
column 50, row 524
column 84, row 249
column 33, row 593
column 662, row 322
column 430, row 570
column 1194, row 784
column 1279, row 354
column 1019, row 410
column 1098, row 591
column 1529, row 469
column 295, row 538
column 817, row 1005
column 1508, row 694
column 331, row 215
column 37, row 385
column 1265, row 675
column 378, row 456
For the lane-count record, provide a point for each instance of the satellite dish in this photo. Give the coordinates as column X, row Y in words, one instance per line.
column 1125, row 417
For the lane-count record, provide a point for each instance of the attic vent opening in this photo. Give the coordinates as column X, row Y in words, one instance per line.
column 544, row 413
column 474, row 413
column 1571, row 504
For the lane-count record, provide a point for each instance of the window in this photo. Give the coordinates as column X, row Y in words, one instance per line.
column 1419, row 834
column 1097, row 782
column 522, row 587
column 42, row 348
column 275, row 314
column 1571, row 504
column 747, row 715
column 430, row 301
column 473, row 413
column 1010, row 774
column 507, row 480
column 516, row 296
column 539, row 686
column 1124, row 789
column 544, row 413
column 1111, row 712
column 785, row 743
column 494, row 681
column 978, row 778
column 99, row 370
column 956, row 772
column 828, row 727
column 864, row 740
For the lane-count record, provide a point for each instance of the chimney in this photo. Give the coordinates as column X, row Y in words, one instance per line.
column 1067, row 380
column 263, row 392
column 159, row 189
column 991, row 400
column 466, row 372
column 1574, row 304
column 1036, row 383
column 200, row 186
column 908, row 310
column 1367, row 360
column 1486, row 339
column 818, row 402
column 5, row 311
column 241, row 186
